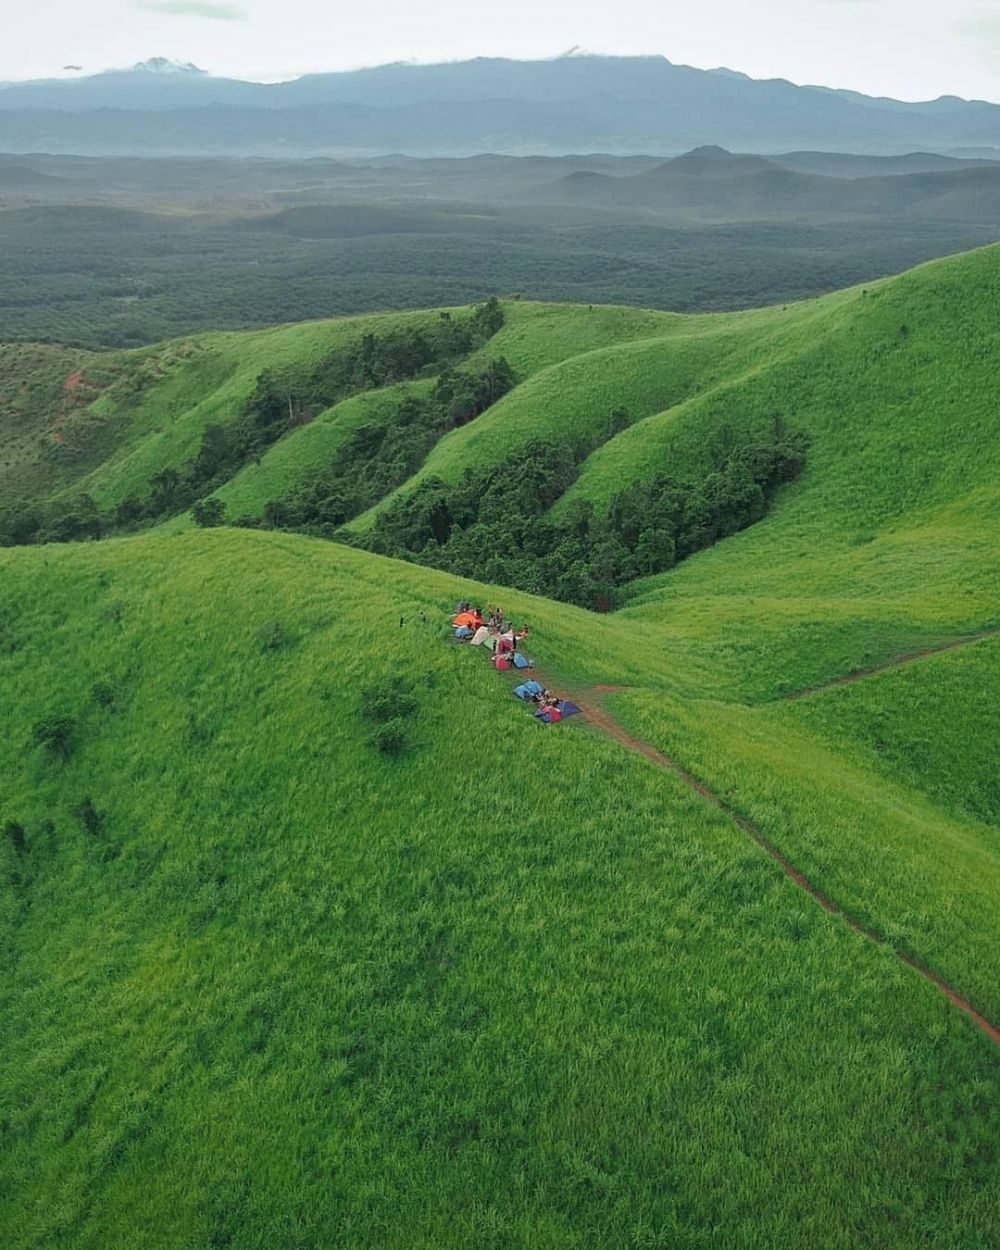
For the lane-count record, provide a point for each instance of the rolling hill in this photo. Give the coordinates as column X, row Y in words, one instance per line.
column 711, row 184
column 566, row 986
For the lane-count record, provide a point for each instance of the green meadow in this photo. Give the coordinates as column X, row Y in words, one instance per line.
column 514, row 986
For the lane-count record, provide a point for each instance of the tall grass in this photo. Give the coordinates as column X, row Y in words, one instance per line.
column 514, row 987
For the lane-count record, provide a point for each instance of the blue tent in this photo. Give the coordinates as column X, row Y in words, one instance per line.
column 464, row 631
column 562, row 709
column 522, row 661
column 521, row 692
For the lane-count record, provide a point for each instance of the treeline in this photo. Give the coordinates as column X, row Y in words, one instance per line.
column 379, row 456
column 278, row 403
column 492, row 525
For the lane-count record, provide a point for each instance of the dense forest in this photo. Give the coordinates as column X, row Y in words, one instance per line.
column 96, row 253
column 493, row 524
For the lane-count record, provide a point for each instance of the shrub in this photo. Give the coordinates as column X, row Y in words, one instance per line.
column 103, row 694
column 55, row 734
column 89, row 816
column 272, row 636
column 387, row 705
column 388, row 700
column 15, row 835
column 390, row 736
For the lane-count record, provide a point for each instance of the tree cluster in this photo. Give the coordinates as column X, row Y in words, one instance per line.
column 379, row 456
column 492, row 524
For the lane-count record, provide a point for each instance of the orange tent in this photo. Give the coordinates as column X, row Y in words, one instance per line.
column 468, row 618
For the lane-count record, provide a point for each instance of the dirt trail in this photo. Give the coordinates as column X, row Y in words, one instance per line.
column 592, row 705
column 909, row 658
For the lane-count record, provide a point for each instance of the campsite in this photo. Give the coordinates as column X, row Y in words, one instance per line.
column 501, row 640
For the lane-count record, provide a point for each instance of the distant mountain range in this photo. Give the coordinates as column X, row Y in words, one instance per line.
column 571, row 104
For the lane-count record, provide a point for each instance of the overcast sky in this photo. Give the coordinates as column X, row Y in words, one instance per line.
column 913, row 49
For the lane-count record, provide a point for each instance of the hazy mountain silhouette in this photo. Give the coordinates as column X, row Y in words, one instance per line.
column 576, row 103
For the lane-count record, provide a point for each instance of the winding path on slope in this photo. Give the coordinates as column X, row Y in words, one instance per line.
column 591, row 703
column 898, row 661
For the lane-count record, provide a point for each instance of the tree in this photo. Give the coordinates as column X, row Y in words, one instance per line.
column 213, row 454
column 578, row 517
column 82, row 520
column 19, row 525
column 655, row 551
column 276, row 514
column 209, row 512
column 164, row 486
column 488, row 318
column 268, row 413
column 130, row 510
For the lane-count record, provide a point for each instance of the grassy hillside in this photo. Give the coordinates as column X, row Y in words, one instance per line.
column 516, row 987
column 154, row 415
column 535, row 339
column 858, row 365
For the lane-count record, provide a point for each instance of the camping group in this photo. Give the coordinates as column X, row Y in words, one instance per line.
column 501, row 638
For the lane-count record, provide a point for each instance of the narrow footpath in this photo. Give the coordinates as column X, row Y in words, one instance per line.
column 898, row 661
column 596, row 713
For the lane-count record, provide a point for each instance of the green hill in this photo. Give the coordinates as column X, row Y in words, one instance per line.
column 146, row 411
column 498, row 988
column 516, row 985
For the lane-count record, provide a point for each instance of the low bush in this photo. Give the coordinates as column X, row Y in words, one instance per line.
column 103, row 694
column 390, row 737
column 55, row 734
column 272, row 636
column 388, row 700
column 387, row 705
column 15, row 835
column 89, row 817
